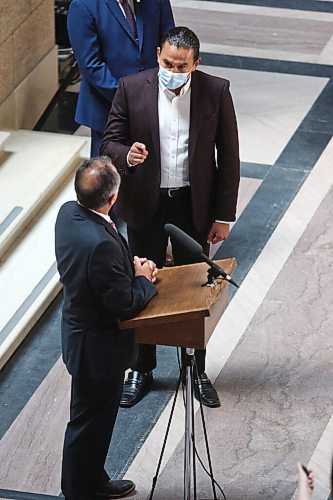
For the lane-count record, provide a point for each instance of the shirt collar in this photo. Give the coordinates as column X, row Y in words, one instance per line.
column 105, row 217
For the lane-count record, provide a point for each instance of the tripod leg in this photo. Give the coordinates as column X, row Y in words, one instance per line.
column 165, row 437
column 193, row 436
column 206, row 439
column 189, row 418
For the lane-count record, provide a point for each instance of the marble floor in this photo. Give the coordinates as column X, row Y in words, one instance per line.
column 271, row 354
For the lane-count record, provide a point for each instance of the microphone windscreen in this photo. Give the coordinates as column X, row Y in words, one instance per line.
column 183, row 239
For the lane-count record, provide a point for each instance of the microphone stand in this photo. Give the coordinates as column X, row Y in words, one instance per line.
column 214, row 272
column 211, row 278
column 188, row 372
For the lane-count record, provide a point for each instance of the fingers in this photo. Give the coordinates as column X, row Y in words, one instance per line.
column 145, row 267
column 137, row 153
column 215, row 237
column 137, row 261
column 304, row 481
column 152, row 265
column 154, row 270
column 211, row 235
column 218, row 232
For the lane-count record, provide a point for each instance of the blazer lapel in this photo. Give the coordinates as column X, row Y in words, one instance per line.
column 114, row 7
column 151, row 102
column 86, row 213
column 120, row 239
column 125, row 245
column 196, row 111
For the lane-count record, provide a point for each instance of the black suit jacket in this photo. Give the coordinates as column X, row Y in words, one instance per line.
column 214, row 178
column 99, row 288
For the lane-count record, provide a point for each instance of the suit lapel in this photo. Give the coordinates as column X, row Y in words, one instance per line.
column 125, row 246
column 120, row 239
column 86, row 213
column 151, row 104
column 139, row 22
column 196, row 111
column 114, row 7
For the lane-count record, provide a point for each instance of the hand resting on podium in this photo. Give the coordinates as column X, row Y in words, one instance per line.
column 145, row 267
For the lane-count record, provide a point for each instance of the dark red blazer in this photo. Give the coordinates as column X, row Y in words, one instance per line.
column 214, row 173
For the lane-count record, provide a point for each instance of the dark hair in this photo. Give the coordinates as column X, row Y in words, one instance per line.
column 182, row 37
column 95, row 181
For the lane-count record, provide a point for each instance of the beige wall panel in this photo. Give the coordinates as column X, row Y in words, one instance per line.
column 33, row 40
column 28, row 101
column 8, row 113
column 6, row 68
column 36, row 3
column 12, row 14
column 33, row 96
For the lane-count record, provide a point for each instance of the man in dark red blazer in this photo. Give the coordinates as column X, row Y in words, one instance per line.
column 172, row 134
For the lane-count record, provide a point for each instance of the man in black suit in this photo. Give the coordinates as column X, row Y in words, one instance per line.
column 101, row 285
column 172, row 131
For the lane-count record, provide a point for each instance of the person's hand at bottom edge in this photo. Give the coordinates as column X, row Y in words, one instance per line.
column 304, row 483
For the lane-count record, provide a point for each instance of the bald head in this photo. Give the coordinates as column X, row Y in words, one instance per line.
column 96, row 181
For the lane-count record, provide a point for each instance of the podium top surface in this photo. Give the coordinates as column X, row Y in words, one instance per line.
column 180, row 295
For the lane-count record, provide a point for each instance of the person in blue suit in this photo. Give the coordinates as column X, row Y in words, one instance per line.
column 112, row 39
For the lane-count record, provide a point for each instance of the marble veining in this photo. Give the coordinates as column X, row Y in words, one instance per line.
column 30, row 451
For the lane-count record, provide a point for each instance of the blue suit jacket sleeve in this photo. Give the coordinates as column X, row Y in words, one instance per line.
column 123, row 296
column 84, row 41
column 166, row 17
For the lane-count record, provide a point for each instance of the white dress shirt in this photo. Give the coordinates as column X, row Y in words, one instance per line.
column 174, row 127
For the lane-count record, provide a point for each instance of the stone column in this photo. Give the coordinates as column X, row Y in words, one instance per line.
column 28, row 61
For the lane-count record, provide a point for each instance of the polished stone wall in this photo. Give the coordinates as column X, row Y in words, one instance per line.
column 28, row 61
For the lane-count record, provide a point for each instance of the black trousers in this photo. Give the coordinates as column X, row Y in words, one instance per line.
column 93, row 411
column 96, row 140
column 151, row 242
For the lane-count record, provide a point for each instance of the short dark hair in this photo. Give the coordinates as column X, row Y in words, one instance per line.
column 95, row 181
column 182, row 37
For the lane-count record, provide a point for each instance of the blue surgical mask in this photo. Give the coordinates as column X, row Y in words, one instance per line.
column 170, row 80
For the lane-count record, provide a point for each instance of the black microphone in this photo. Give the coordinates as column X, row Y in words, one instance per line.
column 196, row 249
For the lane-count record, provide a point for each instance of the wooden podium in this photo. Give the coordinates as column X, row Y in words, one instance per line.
column 184, row 314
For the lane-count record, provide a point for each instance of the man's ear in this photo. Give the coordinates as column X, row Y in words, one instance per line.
column 196, row 64
column 113, row 199
column 158, row 52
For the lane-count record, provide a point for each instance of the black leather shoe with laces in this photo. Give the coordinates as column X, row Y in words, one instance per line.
column 135, row 387
column 203, row 388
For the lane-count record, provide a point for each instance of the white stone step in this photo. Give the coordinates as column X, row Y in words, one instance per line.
column 28, row 272
column 37, row 163
column 3, row 137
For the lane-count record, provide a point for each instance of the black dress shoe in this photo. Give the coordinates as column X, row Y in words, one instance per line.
column 115, row 489
column 203, row 389
column 135, row 387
